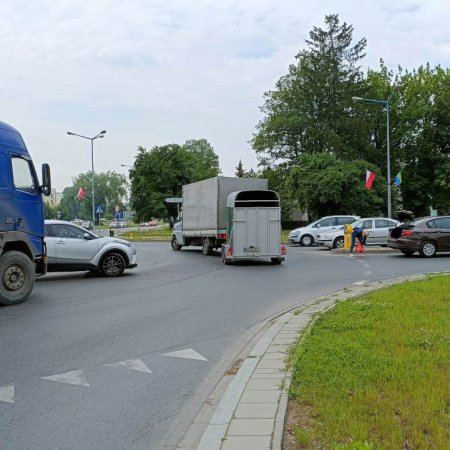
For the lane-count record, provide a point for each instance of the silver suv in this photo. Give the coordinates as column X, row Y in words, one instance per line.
column 71, row 248
column 306, row 236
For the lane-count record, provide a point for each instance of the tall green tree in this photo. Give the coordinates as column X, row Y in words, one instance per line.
column 425, row 145
column 162, row 171
column 324, row 184
column 110, row 190
column 309, row 110
column 240, row 172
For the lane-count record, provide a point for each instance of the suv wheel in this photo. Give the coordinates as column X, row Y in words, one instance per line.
column 112, row 265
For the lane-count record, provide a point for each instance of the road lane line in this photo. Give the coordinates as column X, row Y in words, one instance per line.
column 188, row 353
column 73, row 377
column 133, row 364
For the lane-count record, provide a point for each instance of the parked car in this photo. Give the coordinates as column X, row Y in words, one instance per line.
column 306, row 236
column 118, row 224
column 72, row 248
column 377, row 227
column 428, row 235
column 87, row 225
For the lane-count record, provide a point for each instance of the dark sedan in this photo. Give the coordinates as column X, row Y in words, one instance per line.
column 427, row 236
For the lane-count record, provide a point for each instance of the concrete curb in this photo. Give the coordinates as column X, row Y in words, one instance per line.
column 252, row 410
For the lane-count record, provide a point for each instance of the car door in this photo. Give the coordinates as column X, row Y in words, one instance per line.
column 72, row 249
column 443, row 235
column 381, row 231
column 323, row 226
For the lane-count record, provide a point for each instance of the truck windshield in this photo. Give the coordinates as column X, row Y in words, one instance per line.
column 23, row 175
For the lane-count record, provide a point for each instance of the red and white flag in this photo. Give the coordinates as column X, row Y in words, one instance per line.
column 370, row 176
column 81, row 193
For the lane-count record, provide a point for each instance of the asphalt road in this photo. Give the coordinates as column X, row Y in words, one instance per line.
column 84, row 364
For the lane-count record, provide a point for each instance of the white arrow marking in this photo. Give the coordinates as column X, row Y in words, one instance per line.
column 74, row 377
column 188, row 353
column 7, row 393
column 133, row 364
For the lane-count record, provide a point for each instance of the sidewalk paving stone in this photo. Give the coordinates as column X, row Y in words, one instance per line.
column 251, row 427
column 246, row 443
column 256, row 411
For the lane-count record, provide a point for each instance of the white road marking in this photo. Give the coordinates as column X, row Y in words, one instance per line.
column 74, row 377
column 133, row 364
column 188, row 353
column 360, row 283
column 7, row 393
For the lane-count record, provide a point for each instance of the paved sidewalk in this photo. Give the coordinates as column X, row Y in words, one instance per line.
column 251, row 413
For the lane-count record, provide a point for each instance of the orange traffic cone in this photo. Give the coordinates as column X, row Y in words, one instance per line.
column 359, row 248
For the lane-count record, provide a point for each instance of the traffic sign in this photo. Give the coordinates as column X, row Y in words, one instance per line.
column 174, row 200
column 99, row 210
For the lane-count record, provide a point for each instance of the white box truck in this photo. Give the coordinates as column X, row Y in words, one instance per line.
column 239, row 216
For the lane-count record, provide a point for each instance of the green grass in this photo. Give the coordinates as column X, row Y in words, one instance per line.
column 165, row 234
column 146, row 235
column 375, row 371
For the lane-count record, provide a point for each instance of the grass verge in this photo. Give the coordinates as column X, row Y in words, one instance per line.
column 374, row 372
column 160, row 234
column 166, row 234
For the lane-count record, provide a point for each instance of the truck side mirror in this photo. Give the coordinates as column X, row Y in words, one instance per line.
column 46, row 187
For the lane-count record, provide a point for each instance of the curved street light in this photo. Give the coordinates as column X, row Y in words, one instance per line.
column 100, row 135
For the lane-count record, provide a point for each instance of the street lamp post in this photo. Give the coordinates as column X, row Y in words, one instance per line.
column 388, row 155
column 100, row 135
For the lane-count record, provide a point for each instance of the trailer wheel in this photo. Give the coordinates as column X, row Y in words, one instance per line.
column 175, row 245
column 16, row 278
column 276, row 260
column 206, row 246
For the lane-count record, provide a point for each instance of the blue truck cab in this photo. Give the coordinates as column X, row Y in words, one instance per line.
column 22, row 246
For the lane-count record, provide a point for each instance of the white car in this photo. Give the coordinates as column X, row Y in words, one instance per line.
column 306, row 236
column 72, row 248
column 377, row 227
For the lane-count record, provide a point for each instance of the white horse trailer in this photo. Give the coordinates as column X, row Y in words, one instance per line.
column 253, row 227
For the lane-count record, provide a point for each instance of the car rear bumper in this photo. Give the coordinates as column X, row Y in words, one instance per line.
column 398, row 244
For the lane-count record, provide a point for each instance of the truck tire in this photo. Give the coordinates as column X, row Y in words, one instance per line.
column 276, row 260
column 174, row 243
column 206, row 246
column 16, row 278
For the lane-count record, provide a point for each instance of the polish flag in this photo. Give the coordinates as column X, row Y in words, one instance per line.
column 81, row 193
column 370, row 176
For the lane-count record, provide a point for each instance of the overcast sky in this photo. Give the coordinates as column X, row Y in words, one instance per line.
column 155, row 72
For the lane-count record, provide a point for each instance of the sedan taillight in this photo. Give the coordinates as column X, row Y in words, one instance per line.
column 406, row 233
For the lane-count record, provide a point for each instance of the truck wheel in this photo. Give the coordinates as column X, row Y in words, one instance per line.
column 16, row 278
column 276, row 260
column 174, row 244
column 206, row 246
